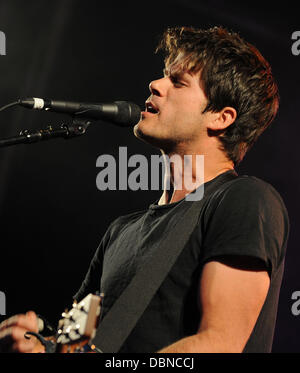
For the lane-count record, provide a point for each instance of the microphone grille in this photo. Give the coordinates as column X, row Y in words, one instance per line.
column 129, row 113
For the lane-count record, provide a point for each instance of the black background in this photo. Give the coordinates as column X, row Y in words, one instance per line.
column 52, row 216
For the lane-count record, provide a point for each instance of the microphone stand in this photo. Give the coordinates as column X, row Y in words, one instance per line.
column 76, row 128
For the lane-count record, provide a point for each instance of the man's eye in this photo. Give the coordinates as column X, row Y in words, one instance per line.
column 176, row 82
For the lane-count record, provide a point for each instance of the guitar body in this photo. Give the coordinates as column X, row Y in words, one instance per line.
column 80, row 347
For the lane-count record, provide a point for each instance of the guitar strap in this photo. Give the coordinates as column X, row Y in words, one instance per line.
column 129, row 307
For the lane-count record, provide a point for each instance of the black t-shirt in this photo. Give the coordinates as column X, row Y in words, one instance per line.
column 246, row 217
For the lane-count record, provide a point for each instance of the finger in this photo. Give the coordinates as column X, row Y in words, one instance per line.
column 12, row 340
column 28, row 322
column 13, row 334
column 23, row 346
column 6, row 323
column 31, row 315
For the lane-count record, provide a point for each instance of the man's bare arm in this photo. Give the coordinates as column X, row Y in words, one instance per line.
column 232, row 293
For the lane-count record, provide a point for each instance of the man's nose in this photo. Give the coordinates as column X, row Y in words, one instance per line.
column 158, row 87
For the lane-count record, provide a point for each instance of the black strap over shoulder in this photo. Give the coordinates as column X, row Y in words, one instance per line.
column 129, row 307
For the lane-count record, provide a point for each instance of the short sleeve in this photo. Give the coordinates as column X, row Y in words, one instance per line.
column 91, row 282
column 248, row 218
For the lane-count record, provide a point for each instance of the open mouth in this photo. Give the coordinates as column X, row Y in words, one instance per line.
column 150, row 108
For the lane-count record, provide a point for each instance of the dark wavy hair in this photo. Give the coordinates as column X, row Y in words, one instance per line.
column 234, row 74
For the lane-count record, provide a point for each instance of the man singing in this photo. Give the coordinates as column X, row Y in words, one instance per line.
column 217, row 95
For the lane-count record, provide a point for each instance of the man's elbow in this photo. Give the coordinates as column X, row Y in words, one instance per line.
column 220, row 341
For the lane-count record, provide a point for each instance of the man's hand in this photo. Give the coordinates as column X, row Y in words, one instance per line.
column 12, row 333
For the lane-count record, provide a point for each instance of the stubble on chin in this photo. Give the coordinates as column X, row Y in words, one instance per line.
column 144, row 136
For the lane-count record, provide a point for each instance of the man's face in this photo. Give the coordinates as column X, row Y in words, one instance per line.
column 179, row 101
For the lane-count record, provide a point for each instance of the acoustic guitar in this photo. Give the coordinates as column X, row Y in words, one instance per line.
column 76, row 329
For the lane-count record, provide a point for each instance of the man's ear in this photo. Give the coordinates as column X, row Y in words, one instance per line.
column 222, row 119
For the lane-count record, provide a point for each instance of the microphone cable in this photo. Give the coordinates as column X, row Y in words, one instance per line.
column 10, row 105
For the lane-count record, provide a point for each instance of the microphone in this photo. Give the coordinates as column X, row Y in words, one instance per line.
column 121, row 113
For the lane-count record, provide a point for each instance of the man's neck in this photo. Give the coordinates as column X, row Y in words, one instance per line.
column 186, row 172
